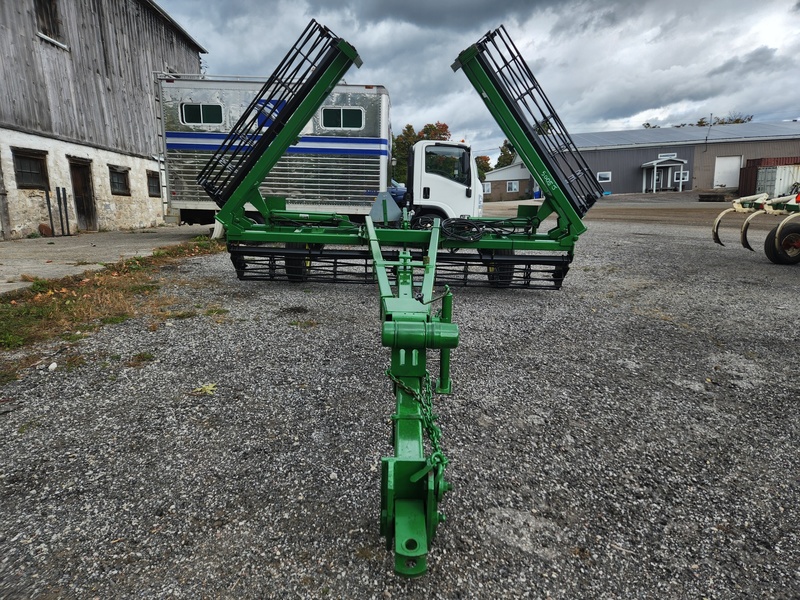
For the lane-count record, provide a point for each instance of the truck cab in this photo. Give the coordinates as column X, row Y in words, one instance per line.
column 443, row 180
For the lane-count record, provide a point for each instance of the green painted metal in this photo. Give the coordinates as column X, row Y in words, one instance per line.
column 555, row 200
column 231, row 215
column 412, row 483
column 412, row 479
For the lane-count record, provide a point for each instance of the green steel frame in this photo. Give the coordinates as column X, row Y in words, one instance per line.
column 412, row 483
column 232, row 213
column 555, row 200
column 412, row 480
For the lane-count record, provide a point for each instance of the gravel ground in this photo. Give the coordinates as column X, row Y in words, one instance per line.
column 634, row 435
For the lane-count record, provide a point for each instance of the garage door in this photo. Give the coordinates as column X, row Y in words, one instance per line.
column 726, row 171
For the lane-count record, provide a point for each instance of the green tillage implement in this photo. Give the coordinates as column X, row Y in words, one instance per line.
column 412, row 484
column 325, row 246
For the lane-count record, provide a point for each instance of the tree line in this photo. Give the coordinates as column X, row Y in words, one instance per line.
column 731, row 119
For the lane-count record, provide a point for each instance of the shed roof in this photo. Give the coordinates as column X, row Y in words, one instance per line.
column 669, row 136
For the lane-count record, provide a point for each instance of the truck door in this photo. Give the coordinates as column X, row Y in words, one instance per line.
column 444, row 181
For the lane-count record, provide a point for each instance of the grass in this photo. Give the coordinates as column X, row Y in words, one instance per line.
column 139, row 359
column 62, row 308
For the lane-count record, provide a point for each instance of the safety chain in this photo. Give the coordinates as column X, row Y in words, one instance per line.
column 425, row 399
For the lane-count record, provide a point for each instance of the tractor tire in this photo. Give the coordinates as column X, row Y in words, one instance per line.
column 788, row 251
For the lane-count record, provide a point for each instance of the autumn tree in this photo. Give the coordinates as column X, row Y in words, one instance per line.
column 435, row 131
column 732, row 119
column 484, row 166
column 401, row 145
column 507, row 155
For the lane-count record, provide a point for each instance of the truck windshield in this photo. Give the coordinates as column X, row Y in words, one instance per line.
column 451, row 162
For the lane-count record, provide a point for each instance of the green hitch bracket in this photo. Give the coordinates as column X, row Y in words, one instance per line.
column 412, row 484
column 445, row 385
column 419, row 335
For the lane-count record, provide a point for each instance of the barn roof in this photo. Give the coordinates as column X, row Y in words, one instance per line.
column 174, row 24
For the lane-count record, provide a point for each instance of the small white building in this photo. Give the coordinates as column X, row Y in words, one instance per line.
column 512, row 182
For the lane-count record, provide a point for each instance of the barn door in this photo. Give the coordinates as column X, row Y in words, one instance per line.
column 81, row 174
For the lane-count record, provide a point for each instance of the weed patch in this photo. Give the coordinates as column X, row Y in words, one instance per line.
column 50, row 309
column 304, row 324
column 138, row 360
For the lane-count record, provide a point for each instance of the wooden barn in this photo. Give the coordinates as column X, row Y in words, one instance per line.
column 78, row 131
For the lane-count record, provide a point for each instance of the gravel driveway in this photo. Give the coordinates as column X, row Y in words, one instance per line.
column 634, row 435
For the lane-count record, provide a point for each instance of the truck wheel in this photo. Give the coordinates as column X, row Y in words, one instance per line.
column 500, row 274
column 788, row 251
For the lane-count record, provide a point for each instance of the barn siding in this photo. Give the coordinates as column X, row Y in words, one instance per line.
column 91, row 97
column 99, row 90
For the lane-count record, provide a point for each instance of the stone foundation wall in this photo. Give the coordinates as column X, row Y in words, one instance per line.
column 24, row 210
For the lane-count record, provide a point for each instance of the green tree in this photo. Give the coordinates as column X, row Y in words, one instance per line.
column 507, row 155
column 484, row 166
column 401, row 147
column 733, row 118
column 544, row 127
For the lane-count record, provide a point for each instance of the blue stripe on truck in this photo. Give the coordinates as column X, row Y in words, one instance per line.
column 191, row 140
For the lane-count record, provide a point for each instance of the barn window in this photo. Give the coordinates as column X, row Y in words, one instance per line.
column 201, row 114
column 120, row 184
column 512, row 186
column 47, row 19
column 681, row 176
column 604, row 176
column 153, row 184
column 30, row 169
column 342, row 118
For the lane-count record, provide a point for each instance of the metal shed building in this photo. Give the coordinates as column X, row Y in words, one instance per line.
column 673, row 158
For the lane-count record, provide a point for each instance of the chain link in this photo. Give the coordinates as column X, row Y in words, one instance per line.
column 425, row 399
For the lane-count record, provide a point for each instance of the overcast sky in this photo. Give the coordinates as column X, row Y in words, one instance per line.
column 605, row 65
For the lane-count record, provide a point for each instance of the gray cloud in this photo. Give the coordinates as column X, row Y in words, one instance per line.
column 609, row 65
column 434, row 14
column 760, row 60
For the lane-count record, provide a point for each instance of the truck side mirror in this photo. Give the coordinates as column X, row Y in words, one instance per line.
column 469, row 192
